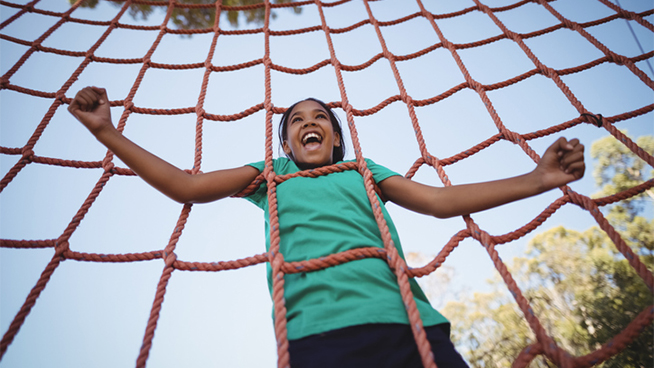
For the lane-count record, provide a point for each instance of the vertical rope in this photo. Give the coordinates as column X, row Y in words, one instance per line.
column 275, row 257
column 61, row 246
column 396, row 263
column 169, row 254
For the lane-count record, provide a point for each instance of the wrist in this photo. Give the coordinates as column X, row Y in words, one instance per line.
column 537, row 181
column 105, row 133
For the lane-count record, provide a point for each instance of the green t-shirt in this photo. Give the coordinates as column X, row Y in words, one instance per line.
column 325, row 215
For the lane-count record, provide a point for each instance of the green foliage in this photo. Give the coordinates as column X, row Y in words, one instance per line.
column 618, row 169
column 194, row 18
column 583, row 291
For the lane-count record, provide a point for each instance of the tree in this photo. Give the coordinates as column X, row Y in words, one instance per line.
column 194, row 18
column 581, row 288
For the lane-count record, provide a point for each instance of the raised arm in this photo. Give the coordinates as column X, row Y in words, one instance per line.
column 91, row 107
column 562, row 163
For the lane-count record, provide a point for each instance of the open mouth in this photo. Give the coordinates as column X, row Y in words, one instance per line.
column 311, row 138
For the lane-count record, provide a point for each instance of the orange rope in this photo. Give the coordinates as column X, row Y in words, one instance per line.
column 544, row 345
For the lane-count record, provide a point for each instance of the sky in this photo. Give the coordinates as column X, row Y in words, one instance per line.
column 96, row 313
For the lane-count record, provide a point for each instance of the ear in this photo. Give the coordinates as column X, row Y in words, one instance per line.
column 337, row 139
column 287, row 148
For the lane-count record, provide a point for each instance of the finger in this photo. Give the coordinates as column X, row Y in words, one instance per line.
column 101, row 94
column 571, row 157
column 577, row 152
column 557, row 146
column 575, row 166
column 577, row 170
column 85, row 102
column 570, row 145
column 571, row 161
column 73, row 107
column 579, row 148
column 89, row 99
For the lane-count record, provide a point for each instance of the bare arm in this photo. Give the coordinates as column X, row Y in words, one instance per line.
column 91, row 107
column 563, row 162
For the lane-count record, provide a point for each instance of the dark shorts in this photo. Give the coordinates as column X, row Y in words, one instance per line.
column 373, row 345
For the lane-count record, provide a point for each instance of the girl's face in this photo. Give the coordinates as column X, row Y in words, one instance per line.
column 310, row 137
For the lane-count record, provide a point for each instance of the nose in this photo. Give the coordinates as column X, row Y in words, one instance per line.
column 309, row 123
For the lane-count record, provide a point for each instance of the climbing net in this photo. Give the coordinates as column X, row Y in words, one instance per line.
column 545, row 344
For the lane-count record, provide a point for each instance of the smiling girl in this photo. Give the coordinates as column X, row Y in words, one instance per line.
column 349, row 315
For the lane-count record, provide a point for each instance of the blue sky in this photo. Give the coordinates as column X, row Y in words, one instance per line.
column 92, row 310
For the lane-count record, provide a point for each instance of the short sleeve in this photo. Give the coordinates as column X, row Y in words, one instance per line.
column 282, row 166
column 260, row 195
column 379, row 172
column 258, row 165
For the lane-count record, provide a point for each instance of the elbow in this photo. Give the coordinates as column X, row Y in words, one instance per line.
column 189, row 197
column 180, row 198
column 445, row 212
column 183, row 193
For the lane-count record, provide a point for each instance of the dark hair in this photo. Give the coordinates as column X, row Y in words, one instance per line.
column 339, row 152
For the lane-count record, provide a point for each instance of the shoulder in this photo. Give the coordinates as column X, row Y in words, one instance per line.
column 281, row 165
column 379, row 172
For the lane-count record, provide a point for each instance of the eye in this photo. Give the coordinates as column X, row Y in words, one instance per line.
column 296, row 119
column 321, row 116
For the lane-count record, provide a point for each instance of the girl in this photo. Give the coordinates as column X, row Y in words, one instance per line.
column 350, row 315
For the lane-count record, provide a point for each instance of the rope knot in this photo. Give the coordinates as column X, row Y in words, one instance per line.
column 4, row 83
column 569, row 24
column 129, row 105
column 594, row 119
column 512, row 136
column 270, row 176
column 476, row 85
column 389, row 56
column 626, row 14
column 579, row 200
column 108, row 167
column 170, row 258
column 512, row 35
column 27, row 153
column 60, row 96
column 61, row 246
column 200, row 111
column 616, row 58
column 481, row 236
column 430, row 160
column 546, row 71
column 406, row 98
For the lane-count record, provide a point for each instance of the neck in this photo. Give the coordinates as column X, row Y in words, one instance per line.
column 309, row 166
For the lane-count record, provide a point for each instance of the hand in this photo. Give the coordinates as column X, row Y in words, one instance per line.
column 562, row 163
column 91, row 107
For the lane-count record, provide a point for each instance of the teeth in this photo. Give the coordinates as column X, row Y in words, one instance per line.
column 311, row 135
